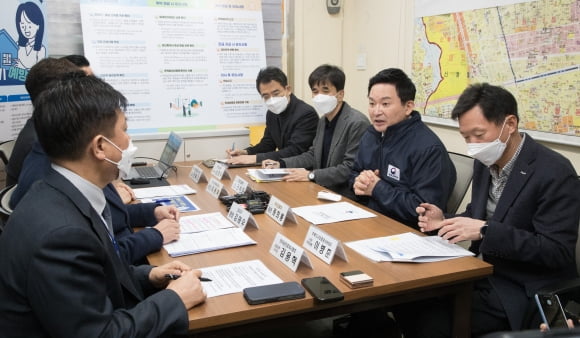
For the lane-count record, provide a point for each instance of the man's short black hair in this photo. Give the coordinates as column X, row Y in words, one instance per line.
column 495, row 102
column 69, row 114
column 44, row 72
column 327, row 74
column 78, row 60
column 396, row 77
column 268, row 74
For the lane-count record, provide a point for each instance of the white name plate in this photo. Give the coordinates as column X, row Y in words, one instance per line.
column 323, row 245
column 197, row 175
column 216, row 188
column 220, row 170
column 279, row 211
column 241, row 217
column 241, row 186
column 289, row 253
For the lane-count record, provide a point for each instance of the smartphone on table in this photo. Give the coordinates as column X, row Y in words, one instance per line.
column 551, row 311
column 273, row 293
column 322, row 289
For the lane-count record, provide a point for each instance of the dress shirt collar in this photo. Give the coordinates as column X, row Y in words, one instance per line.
column 92, row 193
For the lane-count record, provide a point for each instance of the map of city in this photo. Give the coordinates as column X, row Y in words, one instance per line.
column 532, row 49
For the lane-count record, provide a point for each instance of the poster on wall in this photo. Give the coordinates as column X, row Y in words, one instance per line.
column 531, row 48
column 22, row 45
column 183, row 65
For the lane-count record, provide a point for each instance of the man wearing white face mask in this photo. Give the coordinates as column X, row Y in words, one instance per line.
column 290, row 122
column 329, row 160
column 523, row 217
column 160, row 222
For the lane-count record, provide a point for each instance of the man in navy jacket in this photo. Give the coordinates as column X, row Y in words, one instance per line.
column 160, row 222
column 61, row 273
column 400, row 161
column 523, row 217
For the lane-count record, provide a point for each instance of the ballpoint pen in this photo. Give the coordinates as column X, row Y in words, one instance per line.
column 233, row 146
column 162, row 200
column 174, row 277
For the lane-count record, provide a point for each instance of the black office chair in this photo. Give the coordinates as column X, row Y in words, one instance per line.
column 6, row 150
column 464, row 169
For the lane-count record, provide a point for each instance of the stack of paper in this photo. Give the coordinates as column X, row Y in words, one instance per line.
column 192, row 243
column 169, row 190
column 331, row 213
column 267, row 175
column 408, row 247
column 204, row 222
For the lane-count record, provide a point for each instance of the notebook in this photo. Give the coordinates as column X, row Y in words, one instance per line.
column 165, row 161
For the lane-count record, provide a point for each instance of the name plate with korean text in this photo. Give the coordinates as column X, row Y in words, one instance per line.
column 197, row 175
column 241, row 217
column 216, row 188
column 220, row 170
column 241, row 186
column 323, row 245
column 289, row 253
column 279, row 211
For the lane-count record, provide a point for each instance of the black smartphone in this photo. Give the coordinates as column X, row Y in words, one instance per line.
column 273, row 293
column 551, row 311
column 322, row 289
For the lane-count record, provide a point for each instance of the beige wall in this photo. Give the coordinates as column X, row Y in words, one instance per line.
column 381, row 30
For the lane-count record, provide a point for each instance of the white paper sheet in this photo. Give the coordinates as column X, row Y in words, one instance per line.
column 193, row 243
column 204, row 222
column 332, row 213
column 168, row 190
column 232, row 278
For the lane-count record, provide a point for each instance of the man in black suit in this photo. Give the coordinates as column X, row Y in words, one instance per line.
column 290, row 122
column 522, row 219
column 62, row 275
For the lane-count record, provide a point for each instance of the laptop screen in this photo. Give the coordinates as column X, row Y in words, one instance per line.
column 170, row 151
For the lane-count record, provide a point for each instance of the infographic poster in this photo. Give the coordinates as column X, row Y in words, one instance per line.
column 22, row 45
column 183, row 65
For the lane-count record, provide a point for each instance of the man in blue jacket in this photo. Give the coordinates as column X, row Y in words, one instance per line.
column 400, row 161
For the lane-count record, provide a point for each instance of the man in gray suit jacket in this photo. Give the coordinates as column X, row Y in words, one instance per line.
column 329, row 160
column 62, row 274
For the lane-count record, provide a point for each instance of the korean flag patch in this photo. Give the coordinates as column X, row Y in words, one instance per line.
column 394, row 172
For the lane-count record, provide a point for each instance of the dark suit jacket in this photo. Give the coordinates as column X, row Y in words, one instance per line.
column 350, row 127
column 288, row 133
column 61, row 276
column 531, row 237
column 133, row 246
column 22, row 146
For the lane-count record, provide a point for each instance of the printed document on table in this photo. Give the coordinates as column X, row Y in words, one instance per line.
column 204, row 222
column 193, row 243
column 408, row 247
column 232, row 278
column 332, row 213
column 168, row 190
column 267, row 175
column 181, row 202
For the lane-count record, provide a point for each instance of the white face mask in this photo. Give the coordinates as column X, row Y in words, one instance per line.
column 488, row 152
column 324, row 104
column 277, row 104
column 126, row 161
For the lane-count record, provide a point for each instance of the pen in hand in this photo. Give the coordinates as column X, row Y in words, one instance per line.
column 174, row 277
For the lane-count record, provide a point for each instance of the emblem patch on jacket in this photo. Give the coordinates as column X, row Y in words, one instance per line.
column 394, row 172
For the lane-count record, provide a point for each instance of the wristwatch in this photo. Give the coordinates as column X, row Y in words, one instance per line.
column 482, row 231
column 311, row 176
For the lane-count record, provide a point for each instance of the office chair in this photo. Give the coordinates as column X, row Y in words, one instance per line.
column 5, row 209
column 6, row 150
column 464, row 169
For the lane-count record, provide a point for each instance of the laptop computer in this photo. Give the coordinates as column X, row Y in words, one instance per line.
column 165, row 161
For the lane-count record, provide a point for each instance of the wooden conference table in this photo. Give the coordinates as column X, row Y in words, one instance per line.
column 394, row 283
